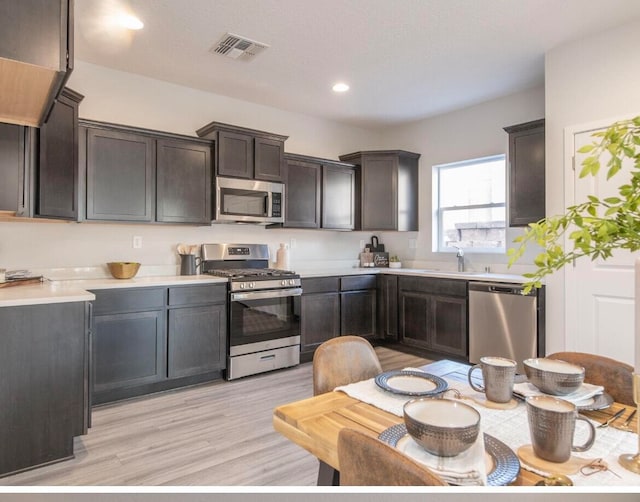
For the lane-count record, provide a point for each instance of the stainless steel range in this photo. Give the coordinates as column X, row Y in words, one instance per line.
column 264, row 308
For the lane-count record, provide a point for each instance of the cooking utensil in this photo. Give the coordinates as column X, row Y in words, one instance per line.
column 615, row 416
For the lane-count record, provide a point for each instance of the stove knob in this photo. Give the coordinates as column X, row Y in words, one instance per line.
column 252, row 284
column 291, row 282
column 242, row 285
column 283, row 282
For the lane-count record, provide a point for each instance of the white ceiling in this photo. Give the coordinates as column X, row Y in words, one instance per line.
column 404, row 59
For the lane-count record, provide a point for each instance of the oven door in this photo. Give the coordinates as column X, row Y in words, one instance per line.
column 258, row 316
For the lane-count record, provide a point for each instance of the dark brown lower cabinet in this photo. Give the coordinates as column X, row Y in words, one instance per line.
column 43, row 383
column 151, row 339
column 320, row 320
column 433, row 314
column 358, row 313
column 387, row 304
column 197, row 341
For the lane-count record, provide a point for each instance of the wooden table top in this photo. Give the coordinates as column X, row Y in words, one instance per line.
column 315, row 423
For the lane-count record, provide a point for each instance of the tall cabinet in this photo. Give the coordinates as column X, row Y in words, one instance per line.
column 526, row 173
column 388, row 189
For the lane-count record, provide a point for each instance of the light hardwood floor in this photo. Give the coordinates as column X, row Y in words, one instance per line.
column 218, row 434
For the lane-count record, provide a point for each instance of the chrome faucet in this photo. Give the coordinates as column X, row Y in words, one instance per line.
column 460, row 256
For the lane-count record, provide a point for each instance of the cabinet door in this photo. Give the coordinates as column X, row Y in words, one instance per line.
column 269, row 160
column 12, row 162
column 234, row 155
column 388, row 306
column 358, row 313
column 338, row 198
column 57, row 185
column 129, row 349
column 379, row 192
column 302, row 205
column 526, row 173
column 197, row 340
column 415, row 318
column 320, row 319
column 120, row 176
column 449, row 325
column 42, row 383
column 183, row 182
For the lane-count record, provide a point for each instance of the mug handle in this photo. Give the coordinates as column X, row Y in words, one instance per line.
column 473, row 386
column 198, row 261
column 592, row 436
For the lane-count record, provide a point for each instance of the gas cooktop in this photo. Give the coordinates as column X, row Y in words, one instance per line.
column 252, row 273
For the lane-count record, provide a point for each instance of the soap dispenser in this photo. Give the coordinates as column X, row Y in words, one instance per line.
column 282, row 257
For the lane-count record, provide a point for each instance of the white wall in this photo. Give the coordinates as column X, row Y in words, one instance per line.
column 465, row 134
column 589, row 80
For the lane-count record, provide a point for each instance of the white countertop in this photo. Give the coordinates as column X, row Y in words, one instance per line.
column 79, row 290
column 449, row 274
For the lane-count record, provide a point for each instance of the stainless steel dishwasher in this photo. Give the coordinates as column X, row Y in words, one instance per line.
column 504, row 322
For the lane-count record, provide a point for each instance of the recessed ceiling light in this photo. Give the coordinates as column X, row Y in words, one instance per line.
column 130, row 22
column 340, row 87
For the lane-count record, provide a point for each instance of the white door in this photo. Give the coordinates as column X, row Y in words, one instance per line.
column 599, row 294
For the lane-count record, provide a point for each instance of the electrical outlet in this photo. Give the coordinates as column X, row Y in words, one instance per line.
column 413, row 243
column 137, row 242
column 292, row 243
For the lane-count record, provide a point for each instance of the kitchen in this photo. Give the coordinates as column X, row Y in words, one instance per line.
column 125, row 98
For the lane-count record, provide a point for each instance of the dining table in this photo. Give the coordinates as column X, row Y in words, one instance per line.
column 315, row 423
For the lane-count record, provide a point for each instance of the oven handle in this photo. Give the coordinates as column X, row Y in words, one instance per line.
column 264, row 295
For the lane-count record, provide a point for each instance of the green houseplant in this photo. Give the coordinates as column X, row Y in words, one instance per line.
column 598, row 226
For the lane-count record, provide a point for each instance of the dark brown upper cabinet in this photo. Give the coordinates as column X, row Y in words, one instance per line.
column 303, row 192
column 246, row 153
column 526, row 175
column 183, row 182
column 14, row 168
column 135, row 174
column 36, row 57
column 120, row 176
column 320, row 193
column 388, row 189
column 57, row 177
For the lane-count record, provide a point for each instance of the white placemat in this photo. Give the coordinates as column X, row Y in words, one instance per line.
column 512, row 428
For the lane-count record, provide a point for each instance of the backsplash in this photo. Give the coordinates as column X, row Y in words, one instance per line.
column 81, row 250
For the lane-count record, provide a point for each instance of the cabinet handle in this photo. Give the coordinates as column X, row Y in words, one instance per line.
column 266, row 358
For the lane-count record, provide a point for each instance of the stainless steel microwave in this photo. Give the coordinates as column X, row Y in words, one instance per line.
column 249, row 201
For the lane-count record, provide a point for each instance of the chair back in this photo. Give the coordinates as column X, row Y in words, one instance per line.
column 615, row 376
column 343, row 360
column 367, row 461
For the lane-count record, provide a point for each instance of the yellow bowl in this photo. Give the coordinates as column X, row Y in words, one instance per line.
column 123, row 269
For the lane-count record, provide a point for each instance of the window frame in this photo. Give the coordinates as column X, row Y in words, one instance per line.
column 439, row 211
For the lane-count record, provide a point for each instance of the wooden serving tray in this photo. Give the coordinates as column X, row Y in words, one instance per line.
column 21, row 281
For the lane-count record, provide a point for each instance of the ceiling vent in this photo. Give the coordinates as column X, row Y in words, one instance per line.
column 237, row 47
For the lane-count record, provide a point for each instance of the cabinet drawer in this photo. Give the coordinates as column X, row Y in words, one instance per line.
column 358, row 282
column 321, row 285
column 434, row 285
column 193, row 295
column 128, row 300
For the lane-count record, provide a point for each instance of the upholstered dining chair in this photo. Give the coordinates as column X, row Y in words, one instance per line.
column 614, row 376
column 367, row 461
column 343, row 360
column 340, row 361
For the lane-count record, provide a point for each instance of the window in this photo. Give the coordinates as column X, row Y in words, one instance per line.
column 469, row 205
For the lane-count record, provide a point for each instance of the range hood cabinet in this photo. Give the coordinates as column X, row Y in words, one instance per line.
column 36, row 57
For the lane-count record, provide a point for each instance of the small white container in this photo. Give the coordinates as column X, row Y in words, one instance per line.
column 395, row 264
column 282, row 257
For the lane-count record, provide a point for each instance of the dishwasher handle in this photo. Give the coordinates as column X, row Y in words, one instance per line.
column 499, row 288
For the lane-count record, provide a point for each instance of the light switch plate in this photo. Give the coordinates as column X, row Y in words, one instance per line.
column 137, row 242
